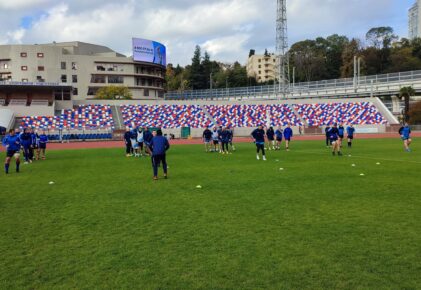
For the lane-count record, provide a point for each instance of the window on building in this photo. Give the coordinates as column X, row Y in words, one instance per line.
column 40, row 54
column 74, row 66
column 91, row 92
column 115, row 80
column 40, row 79
column 146, row 92
column 63, row 65
column 150, row 83
column 98, row 79
column 100, row 68
column 74, row 78
column 75, row 92
column 23, row 54
column 259, row 60
column 64, row 78
column 40, row 68
column 6, row 66
column 24, row 80
column 24, row 67
column 260, row 72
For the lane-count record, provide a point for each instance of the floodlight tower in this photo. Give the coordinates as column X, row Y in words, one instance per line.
column 282, row 70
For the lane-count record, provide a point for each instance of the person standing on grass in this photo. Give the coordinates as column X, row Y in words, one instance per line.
column 12, row 144
column 231, row 137
column 287, row 135
column 334, row 140
column 159, row 146
column 405, row 133
column 350, row 130
column 220, row 139
column 43, row 140
column 327, row 134
column 225, row 137
column 26, row 141
column 128, row 142
column 258, row 136
column 140, row 140
column 147, row 138
column 33, row 147
column 270, row 134
column 207, row 138
column 341, row 133
column 215, row 139
column 279, row 134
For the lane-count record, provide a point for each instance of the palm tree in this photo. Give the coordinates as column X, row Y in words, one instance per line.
column 406, row 93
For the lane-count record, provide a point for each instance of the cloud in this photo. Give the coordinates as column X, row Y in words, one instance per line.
column 226, row 28
column 20, row 4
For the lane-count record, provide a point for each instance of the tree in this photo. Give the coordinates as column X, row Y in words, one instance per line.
column 415, row 113
column 114, row 93
column 406, row 93
column 353, row 48
column 381, row 37
column 196, row 70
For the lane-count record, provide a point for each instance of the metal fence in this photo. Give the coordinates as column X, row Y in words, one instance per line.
column 363, row 84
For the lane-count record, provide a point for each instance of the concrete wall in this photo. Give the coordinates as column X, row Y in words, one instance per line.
column 21, row 111
column 7, row 118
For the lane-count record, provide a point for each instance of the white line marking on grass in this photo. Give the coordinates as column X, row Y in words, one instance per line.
column 365, row 157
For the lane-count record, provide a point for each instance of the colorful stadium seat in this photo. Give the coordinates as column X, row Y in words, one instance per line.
column 363, row 113
column 83, row 117
column 238, row 115
column 165, row 116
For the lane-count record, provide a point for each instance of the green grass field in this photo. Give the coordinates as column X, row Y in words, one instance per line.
column 317, row 224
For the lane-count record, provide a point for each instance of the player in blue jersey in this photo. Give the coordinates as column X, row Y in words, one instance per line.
column 43, row 140
column 159, row 146
column 287, row 136
column 350, row 130
column 270, row 134
column 12, row 144
column 258, row 136
column 327, row 129
column 26, row 141
column 279, row 133
column 405, row 133
column 147, row 137
column 334, row 140
column 220, row 139
column 207, row 138
column 225, row 137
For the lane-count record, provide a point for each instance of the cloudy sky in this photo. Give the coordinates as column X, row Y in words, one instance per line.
column 227, row 29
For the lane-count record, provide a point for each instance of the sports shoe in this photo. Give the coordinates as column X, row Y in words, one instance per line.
column 257, row 157
column 264, row 158
column 165, row 176
column 155, row 178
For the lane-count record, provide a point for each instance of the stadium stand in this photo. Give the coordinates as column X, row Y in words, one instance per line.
column 90, row 117
column 362, row 113
column 165, row 116
column 282, row 115
column 238, row 115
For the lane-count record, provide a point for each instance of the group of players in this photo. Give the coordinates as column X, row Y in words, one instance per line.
column 219, row 140
column 335, row 136
column 29, row 142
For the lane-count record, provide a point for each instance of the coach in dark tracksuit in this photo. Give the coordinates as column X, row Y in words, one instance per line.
column 128, row 143
column 159, row 145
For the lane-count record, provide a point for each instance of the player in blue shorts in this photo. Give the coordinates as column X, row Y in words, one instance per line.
column 270, row 134
column 350, row 130
column 207, row 138
column 279, row 133
column 225, row 137
column 26, row 141
column 43, row 140
column 231, row 137
column 258, row 136
column 405, row 133
column 12, row 144
column 287, row 135
column 334, row 140
column 327, row 129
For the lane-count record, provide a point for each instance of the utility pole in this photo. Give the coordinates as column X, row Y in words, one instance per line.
column 282, row 48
